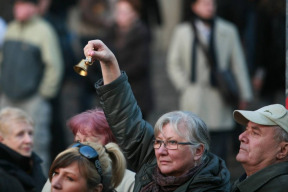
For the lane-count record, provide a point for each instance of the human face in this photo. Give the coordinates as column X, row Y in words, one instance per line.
column 125, row 14
column 23, row 11
column 204, row 8
column 174, row 162
column 79, row 137
column 258, row 148
column 68, row 179
column 19, row 138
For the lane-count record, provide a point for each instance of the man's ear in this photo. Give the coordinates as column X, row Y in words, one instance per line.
column 1, row 138
column 283, row 153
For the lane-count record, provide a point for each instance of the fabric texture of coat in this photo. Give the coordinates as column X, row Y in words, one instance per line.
column 25, row 170
column 271, row 178
column 135, row 135
column 36, row 33
column 199, row 96
column 9, row 183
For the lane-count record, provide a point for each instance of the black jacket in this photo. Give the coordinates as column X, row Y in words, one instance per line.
column 135, row 135
column 24, row 170
column 9, row 183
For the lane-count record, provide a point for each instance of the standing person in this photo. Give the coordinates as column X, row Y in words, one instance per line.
column 31, row 75
column 176, row 157
column 92, row 126
column 270, row 52
column 129, row 39
column 202, row 44
column 263, row 150
column 19, row 166
column 88, row 167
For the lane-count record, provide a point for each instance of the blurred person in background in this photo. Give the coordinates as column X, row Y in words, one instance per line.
column 202, row 44
column 92, row 126
column 20, row 167
column 269, row 67
column 129, row 39
column 31, row 70
column 55, row 12
column 86, row 167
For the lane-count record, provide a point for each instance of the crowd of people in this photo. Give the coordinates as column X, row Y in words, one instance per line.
column 112, row 146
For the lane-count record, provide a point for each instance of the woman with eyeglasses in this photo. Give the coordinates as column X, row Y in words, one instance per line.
column 174, row 156
column 88, row 167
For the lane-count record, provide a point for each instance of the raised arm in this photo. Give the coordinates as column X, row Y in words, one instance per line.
column 133, row 134
column 97, row 50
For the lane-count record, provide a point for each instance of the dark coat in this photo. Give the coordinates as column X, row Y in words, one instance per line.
column 9, row 183
column 135, row 135
column 26, row 171
column 272, row 178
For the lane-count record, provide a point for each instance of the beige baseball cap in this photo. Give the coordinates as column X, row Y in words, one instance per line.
column 275, row 114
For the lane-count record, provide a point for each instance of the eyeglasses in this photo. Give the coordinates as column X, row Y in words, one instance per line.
column 91, row 154
column 171, row 144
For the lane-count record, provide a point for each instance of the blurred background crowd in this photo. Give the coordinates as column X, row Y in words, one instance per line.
column 140, row 35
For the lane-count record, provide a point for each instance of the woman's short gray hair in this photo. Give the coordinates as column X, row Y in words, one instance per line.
column 196, row 130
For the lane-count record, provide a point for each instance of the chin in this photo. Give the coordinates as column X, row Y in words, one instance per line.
column 27, row 154
column 240, row 157
column 165, row 171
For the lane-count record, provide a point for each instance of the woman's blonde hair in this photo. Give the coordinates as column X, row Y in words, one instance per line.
column 112, row 162
column 11, row 114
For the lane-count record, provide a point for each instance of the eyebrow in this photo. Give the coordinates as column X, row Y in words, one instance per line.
column 256, row 128
column 167, row 139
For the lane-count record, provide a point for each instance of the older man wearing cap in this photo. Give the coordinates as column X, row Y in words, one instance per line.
column 263, row 150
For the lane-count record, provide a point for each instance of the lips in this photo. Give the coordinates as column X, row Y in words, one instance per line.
column 164, row 162
column 242, row 149
column 27, row 148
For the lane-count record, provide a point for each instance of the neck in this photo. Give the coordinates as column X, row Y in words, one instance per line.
column 207, row 22
column 252, row 169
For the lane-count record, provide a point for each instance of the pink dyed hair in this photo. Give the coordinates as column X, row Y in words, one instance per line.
column 91, row 122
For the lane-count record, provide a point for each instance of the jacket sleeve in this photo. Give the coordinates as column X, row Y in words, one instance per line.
column 134, row 135
column 53, row 62
column 240, row 67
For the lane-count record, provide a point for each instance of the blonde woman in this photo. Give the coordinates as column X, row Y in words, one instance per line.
column 88, row 167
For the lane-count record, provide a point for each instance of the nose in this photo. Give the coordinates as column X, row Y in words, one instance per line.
column 243, row 137
column 162, row 149
column 56, row 183
column 28, row 138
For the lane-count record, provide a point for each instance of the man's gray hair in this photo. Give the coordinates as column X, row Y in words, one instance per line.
column 280, row 134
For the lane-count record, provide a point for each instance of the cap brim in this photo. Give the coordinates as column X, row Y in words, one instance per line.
column 243, row 117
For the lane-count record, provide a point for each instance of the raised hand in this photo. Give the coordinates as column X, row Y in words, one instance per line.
column 97, row 50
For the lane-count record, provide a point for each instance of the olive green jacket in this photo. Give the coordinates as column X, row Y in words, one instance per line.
column 273, row 178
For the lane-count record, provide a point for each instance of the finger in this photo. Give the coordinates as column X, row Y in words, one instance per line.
column 88, row 50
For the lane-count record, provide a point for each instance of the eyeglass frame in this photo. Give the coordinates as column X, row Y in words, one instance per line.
column 165, row 143
column 94, row 158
